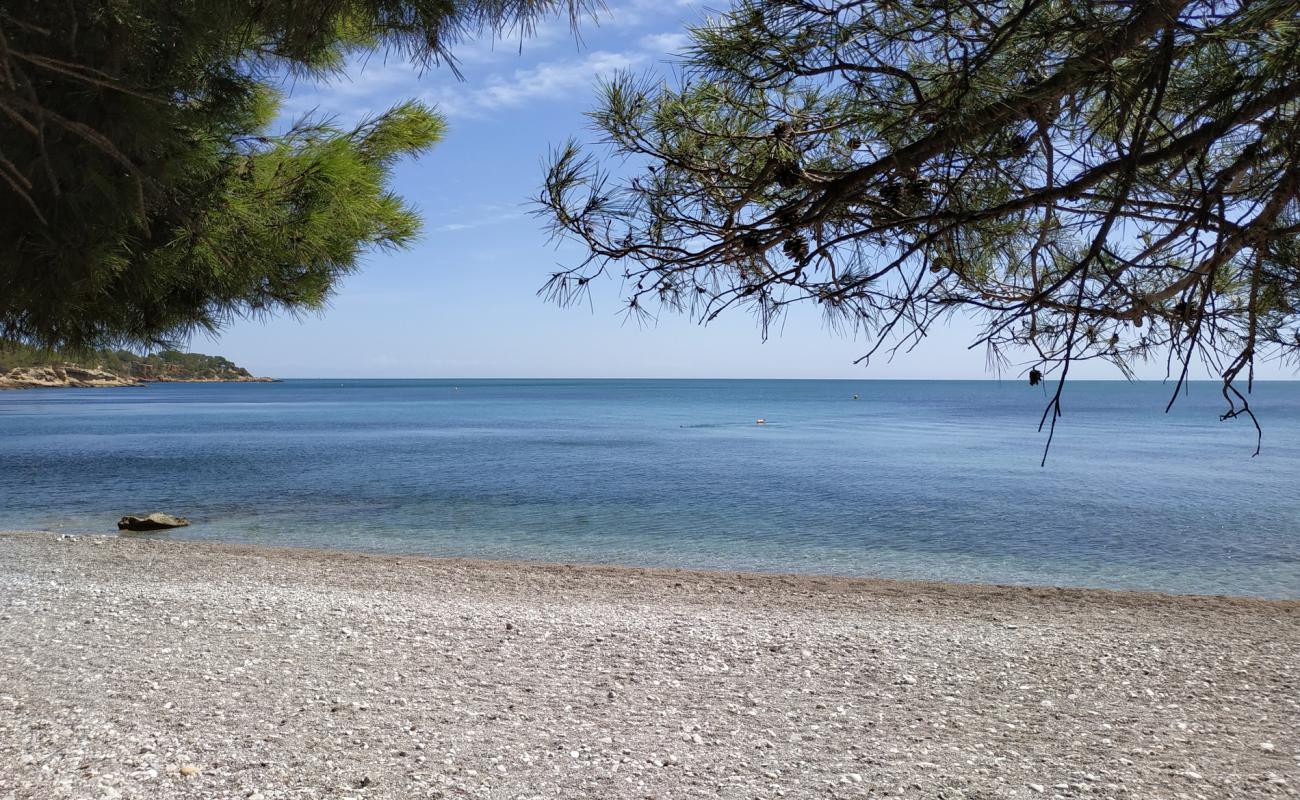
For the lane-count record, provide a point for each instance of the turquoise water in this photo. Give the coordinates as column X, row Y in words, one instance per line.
column 913, row 480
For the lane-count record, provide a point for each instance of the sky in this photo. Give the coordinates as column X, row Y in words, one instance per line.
column 463, row 301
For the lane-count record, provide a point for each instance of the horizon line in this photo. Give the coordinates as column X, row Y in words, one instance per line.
column 674, row 378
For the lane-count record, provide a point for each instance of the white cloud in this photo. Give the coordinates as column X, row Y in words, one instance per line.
column 488, row 215
column 372, row 84
column 548, row 80
column 368, row 86
column 666, row 43
column 634, row 13
column 489, row 49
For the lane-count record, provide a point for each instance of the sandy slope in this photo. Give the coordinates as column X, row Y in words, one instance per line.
column 152, row 669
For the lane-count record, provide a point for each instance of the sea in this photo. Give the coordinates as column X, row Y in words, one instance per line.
column 896, row 479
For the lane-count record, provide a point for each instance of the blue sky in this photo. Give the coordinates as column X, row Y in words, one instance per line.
column 463, row 303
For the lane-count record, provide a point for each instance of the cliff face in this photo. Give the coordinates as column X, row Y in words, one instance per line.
column 66, row 376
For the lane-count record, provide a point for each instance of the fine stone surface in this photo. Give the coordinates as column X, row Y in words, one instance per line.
column 135, row 668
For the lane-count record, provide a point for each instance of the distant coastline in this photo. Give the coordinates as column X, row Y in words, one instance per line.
column 24, row 367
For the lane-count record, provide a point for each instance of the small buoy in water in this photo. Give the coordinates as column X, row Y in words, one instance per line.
column 760, row 421
column 855, row 397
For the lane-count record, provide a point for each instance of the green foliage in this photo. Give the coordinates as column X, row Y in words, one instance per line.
column 1111, row 181
column 142, row 193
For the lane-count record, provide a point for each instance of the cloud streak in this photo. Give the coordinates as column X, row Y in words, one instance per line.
column 493, row 216
column 666, row 43
column 549, row 80
column 371, row 85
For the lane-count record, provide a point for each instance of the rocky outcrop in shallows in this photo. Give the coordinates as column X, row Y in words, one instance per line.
column 151, row 522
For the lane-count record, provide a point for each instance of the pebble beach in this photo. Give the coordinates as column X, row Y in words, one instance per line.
column 138, row 667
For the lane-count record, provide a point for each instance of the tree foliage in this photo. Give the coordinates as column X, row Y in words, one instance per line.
column 143, row 192
column 1112, row 181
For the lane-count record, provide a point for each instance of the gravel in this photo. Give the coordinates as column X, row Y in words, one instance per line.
column 144, row 668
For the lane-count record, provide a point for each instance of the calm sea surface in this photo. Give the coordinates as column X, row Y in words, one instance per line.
column 913, row 480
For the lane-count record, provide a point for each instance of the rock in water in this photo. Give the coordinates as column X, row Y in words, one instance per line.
column 152, row 522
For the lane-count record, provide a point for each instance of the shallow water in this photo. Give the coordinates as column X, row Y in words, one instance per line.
column 916, row 479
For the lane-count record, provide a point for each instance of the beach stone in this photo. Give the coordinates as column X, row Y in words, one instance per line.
column 151, row 522
column 234, row 656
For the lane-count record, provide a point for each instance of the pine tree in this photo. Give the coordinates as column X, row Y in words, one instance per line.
column 142, row 193
column 1113, row 181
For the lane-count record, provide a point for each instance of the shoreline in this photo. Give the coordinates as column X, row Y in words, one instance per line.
column 153, row 668
column 10, row 382
column 828, row 583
